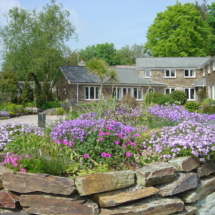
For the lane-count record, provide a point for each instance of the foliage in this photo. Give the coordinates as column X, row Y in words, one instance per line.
column 127, row 55
column 8, row 85
column 208, row 101
column 191, row 106
column 46, row 94
column 179, row 31
column 73, row 114
column 105, row 51
column 71, row 59
column 59, row 111
column 202, row 94
column 129, row 100
column 179, row 96
column 209, row 109
column 12, row 108
column 27, row 93
column 35, row 41
column 66, row 105
column 50, row 104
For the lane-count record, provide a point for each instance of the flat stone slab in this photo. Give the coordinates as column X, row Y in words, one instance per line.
column 206, row 169
column 46, row 205
column 205, row 206
column 114, row 198
column 185, row 163
column 183, row 183
column 27, row 183
column 206, row 187
column 101, row 182
column 188, row 210
column 155, row 173
column 162, row 207
column 9, row 200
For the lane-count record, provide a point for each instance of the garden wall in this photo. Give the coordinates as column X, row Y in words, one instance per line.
column 180, row 186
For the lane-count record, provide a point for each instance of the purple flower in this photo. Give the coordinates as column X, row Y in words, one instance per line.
column 103, row 154
column 101, row 133
column 108, row 155
column 107, row 133
column 127, row 154
column 86, row 155
column 108, row 128
column 136, row 135
column 116, row 142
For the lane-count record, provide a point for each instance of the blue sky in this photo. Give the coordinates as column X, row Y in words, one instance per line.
column 121, row 22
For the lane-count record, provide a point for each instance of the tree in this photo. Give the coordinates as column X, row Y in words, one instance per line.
column 179, row 31
column 71, row 59
column 127, row 55
column 105, row 51
column 34, row 42
column 99, row 67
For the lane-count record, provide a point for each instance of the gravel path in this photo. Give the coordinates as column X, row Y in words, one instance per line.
column 32, row 119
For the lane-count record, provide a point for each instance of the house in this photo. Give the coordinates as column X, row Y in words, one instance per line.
column 163, row 74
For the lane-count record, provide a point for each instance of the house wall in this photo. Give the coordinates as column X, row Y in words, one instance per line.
column 210, row 79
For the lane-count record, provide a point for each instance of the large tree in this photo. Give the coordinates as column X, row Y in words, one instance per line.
column 179, row 31
column 34, row 41
column 105, row 51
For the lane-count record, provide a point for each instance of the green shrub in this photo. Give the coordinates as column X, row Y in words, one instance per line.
column 59, row 111
column 12, row 108
column 164, row 100
column 191, row 106
column 208, row 101
column 209, row 109
column 50, row 104
column 179, row 96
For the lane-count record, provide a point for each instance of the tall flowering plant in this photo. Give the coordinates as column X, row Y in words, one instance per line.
column 97, row 141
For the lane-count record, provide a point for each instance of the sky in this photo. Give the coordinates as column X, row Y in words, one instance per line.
column 121, row 22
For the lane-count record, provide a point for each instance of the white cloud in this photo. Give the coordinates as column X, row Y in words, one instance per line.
column 5, row 5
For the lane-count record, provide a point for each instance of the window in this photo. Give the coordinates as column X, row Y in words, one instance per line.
column 190, row 93
column 136, row 92
column 91, row 93
column 189, row 73
column 147, row 73
column 170, row 73
column 169, row 90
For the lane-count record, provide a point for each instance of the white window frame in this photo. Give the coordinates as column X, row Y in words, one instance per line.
column 120, row 91
column 213, row 91
column 213, row 65
column 148, row 76
column 170, row 90
column 209, row 69
column 95, row 96
column 170, row 72
column 189, row 93
column 189, row 73
column 203, row 72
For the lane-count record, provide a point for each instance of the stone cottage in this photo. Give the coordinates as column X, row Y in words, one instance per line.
column 164, row 74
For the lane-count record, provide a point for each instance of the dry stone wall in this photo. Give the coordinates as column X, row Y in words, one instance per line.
column 181, row 186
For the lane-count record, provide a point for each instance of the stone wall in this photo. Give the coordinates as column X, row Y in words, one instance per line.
column 180, row 186
column 210, row 79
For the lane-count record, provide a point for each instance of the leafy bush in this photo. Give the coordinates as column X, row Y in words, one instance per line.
column 50, row 104
column 209, row 109
column 191, row 106
column 129, row 100
column 164, row 100
column 59, row 111
column 180, row 96
column 12, row 108
column 208, row 101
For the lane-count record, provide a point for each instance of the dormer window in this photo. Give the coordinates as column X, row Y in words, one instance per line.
column 189, row 73
column 147, row 73
column 170, row 73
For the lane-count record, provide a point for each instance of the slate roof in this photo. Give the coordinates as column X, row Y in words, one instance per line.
column 79, row 74
column 200, row 83
column 170, row 62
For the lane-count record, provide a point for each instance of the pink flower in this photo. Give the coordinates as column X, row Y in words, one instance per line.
column 103, row 154
column 116, row 142
column 57, row 141
column 107, row 133
column 127, row 130
column 27, row 156
column 86, row 155
column 64, row 142
column 108, row 128
column 22, row 170
column 100, row 139
column 136, row 135
column 108, row 155
column 70, row 145
column 112, row 122
column 120, row 136
column 101, row 133
column 124, row 145
column 127, row 154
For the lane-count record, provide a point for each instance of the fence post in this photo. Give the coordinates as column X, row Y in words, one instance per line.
column 41, row 119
